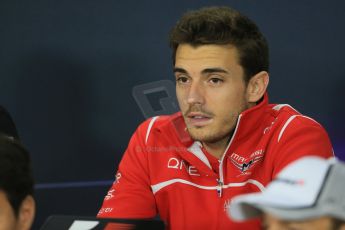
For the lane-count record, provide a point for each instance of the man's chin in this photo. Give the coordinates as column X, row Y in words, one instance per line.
column 206, row 135
column 198, row 134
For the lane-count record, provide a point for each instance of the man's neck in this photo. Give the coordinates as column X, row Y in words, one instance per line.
column 216, row 149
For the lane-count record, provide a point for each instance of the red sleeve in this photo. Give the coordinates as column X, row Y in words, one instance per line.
column 131, row 196
column 302, row 137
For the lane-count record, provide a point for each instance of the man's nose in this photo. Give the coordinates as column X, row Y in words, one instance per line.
column 196, row 93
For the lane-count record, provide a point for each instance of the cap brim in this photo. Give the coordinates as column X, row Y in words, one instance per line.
column 244, row 207
column 250, row 206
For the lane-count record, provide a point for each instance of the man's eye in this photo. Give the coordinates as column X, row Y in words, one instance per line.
column 216, row 80
column 182, row 80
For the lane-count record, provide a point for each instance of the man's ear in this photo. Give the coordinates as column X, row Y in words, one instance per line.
column 26, row 213
column 257, row 86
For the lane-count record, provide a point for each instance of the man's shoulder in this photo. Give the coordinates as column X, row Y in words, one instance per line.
column 282, row 110
column 288, row 122
column 161, row 121
column 286, row 113
column 163, row 125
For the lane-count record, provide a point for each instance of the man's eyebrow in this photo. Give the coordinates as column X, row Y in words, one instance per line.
column 179, row 70
column 205, row 71
column 214, row 70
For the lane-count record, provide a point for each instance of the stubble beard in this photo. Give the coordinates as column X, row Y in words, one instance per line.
column 214, row 134
column 224, row 130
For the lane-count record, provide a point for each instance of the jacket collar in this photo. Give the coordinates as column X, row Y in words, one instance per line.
column 251, row 119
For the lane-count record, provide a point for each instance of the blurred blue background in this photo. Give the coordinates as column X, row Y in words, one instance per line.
column 68, row 69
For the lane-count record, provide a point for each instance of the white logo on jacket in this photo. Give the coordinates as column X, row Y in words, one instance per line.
column 117, row 178
column 110, row 194
column 174, row 163
column 105, row 210
column 244, row 164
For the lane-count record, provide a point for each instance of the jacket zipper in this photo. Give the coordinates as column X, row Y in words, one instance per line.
column 220, row 180
column 219, row 188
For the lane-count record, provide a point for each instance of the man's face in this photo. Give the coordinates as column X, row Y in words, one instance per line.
column 7, row 217
column 210, row 89
column 272, row 223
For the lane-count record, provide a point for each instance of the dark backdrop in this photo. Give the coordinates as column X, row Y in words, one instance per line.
column 69, row 70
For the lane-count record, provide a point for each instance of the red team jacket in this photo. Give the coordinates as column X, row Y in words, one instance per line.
column 165, row 172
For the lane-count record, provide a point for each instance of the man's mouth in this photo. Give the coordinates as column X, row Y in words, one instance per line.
column 198, row 119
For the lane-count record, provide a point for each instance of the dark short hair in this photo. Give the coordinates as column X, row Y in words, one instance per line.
column 337, row 223
column 222, row 26
column 16, row 179
column 7, row 125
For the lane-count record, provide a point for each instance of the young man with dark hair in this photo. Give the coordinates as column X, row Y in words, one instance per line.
column 17, row 206
column 226, row 140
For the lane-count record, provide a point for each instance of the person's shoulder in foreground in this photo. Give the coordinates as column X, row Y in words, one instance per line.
column 17, row 206
column 307, row 194
column 225, row 141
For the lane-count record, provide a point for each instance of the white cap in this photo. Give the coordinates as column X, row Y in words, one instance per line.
column 307, row 188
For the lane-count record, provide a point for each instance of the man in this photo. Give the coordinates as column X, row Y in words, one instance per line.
column 17, row 206
column 226, row 140
column 307, row 194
